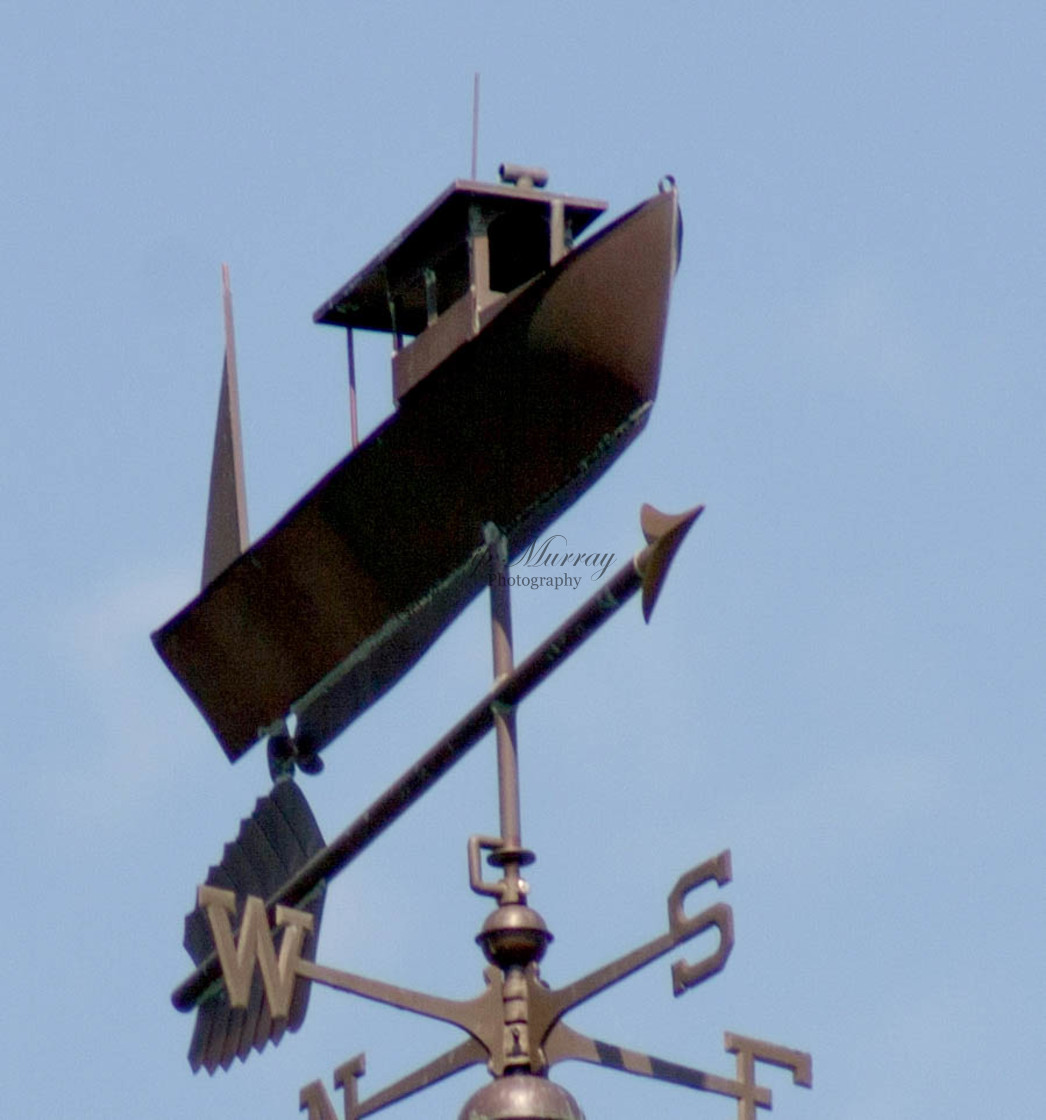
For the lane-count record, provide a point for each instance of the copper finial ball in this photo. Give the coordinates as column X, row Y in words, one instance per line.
column 514, row 934
column 521, row 1096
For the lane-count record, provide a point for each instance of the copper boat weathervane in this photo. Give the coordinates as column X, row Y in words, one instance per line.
column 525, row 361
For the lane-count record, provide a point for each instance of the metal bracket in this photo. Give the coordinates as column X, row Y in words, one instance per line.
column 478, row 844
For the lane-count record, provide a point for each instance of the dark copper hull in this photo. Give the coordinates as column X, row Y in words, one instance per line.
column 332, row 606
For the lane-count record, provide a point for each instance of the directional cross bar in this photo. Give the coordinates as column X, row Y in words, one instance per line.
column 566, row 1044
column 314, row 1097
column 548, row 1007
column 480, row 1017
column 515, row 996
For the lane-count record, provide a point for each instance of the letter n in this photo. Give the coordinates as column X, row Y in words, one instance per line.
column 255, row 944
column 314, row 1097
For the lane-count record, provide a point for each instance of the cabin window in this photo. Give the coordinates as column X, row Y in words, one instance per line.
column 519, row 249
column 452, row 277
column 417, row 299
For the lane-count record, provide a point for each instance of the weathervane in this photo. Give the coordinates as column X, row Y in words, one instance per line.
column 522, row 367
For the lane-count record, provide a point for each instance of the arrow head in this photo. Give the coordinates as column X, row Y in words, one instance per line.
column 664, row 534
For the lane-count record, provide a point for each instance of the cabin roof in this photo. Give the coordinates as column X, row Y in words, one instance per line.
column 438, row 239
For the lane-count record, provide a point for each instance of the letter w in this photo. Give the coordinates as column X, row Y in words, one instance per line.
column 255, row 944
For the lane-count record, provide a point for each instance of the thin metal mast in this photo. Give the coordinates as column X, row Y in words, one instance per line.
column 475, row 122
column 510, row 855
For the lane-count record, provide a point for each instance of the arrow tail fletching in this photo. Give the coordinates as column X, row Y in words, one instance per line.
column 275, row 841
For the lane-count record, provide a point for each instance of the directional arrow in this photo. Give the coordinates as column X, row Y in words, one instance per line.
column 647, row 571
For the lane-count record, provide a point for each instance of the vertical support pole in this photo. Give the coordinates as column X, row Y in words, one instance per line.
column 557, row 228
column 353, row 422
column 479, row 264
column 504, row 715
column 431, row 297
column 397, row 335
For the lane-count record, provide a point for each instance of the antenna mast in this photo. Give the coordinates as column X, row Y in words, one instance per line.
column 475, row 122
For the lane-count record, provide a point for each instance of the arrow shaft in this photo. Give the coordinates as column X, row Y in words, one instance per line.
column 432, row 765
column 506, row 693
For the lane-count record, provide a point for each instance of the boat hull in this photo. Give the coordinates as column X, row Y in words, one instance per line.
column 333, row 605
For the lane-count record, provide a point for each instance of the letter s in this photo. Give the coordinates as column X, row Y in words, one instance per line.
column 719, row 915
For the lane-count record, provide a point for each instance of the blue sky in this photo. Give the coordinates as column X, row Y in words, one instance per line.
column 843, row 680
